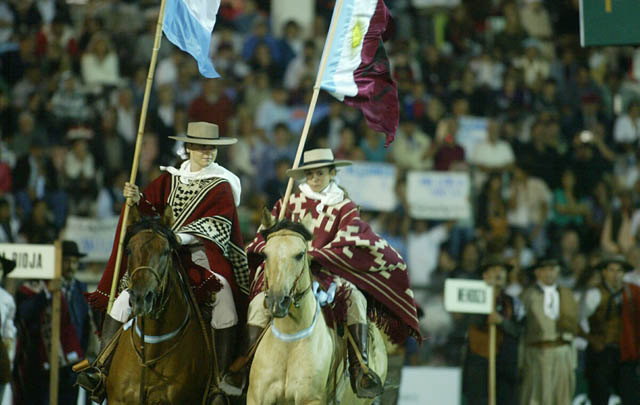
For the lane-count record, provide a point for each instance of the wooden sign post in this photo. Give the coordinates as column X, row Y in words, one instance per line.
column 475, row 297
column 42, row 262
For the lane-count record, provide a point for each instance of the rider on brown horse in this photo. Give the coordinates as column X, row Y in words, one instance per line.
column 203, row 197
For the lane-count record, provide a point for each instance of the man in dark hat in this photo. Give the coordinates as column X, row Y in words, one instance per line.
column 551, row 323
column 507, row 315
column 34, row 317
column 613, row 316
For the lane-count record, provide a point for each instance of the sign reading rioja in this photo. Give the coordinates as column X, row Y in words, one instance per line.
column 468, row 296
column 32, row 261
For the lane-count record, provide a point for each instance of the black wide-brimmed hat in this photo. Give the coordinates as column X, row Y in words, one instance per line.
column 619, row 259
column 70, row 248
column 7, row 265
column 494, row 261
column 543, row 262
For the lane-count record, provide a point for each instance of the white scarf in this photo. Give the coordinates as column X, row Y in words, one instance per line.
column 185, row 175
column 551, row 300
column 331, row 195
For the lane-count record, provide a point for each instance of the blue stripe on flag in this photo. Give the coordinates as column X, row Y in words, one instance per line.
column 335, row 53
column 184, row 31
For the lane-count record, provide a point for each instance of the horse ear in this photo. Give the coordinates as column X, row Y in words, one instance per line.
column 134, row 215
column 307, row 222
column 268, row 220
column 167, row 216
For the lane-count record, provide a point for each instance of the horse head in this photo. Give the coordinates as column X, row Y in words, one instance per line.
column 286, row 263
column 150, row 244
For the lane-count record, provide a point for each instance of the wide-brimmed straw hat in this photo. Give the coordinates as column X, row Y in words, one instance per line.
column 204, row 133
column 316, row 158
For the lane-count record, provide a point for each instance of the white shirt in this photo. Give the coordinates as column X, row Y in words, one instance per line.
column 493, row 155
column 626, row 130
column 423, row 251
column 8, row 329
column 551, row 300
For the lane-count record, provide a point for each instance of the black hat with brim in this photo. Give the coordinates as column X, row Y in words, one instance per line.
column 619, row 259
column 494, row 261
column 544, row 262
column 70, row 248
column 7, row 265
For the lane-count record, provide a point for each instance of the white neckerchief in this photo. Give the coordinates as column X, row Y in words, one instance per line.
column 185, row 175
column 551, row 300
column 331, row 195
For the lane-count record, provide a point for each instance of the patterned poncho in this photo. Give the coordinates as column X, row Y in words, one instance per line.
column 346, row 246
column 204, row 208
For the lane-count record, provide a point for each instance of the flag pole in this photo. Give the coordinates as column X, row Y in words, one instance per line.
column 136, row 154
column 312, row 105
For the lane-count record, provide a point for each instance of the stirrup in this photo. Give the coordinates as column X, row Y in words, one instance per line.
column 368, row 392
column 93, row 380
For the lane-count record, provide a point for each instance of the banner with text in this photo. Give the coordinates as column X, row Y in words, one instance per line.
column 370, row 185
column 468, row 296
column 93, row 236
column 32, row 261
column 439, row 195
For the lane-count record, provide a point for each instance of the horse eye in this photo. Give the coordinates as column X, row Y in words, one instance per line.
column 299, row 256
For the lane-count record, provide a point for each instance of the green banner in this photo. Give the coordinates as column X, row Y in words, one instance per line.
column 609, row 22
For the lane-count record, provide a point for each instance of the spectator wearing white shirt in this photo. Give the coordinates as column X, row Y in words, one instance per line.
column 412, row 148
column 493, row 155
column 627, row 127
column 529, row 207
column 273, row 111
column 100, row 65
column 423, row 247
column 8, row 331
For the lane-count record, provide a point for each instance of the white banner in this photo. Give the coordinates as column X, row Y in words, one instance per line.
column 93, row 236
column 468, row 296
column 471, row 131
column 370, row 185
column 439, row 195
column 32, row 261
column 430, row 385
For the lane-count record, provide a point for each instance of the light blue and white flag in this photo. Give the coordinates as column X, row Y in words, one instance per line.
column 188, row 25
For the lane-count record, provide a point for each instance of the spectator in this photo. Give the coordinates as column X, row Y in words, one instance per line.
column 616, row 235
column 272, row 111
column 449, row 154
column 80, row 172
column 412, row 148
column 110, row 200
column 627, row 126
column 372, row 145
column 568, row 208
column 493, row 155
column 304, row 64
column 9, row 224
column 423, row 245
column 39, row 228
column 68, row 104
column 100, row 65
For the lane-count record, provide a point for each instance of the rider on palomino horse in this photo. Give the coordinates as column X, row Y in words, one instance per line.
column 347, row 252
column 203, row 196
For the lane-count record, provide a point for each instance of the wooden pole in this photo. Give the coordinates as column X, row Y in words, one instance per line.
column 312, row 105
column 54, row 359
column 492, row 354
column 136, row 155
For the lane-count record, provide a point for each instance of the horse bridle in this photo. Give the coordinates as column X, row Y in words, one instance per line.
column 154, row 272
column 295, row 297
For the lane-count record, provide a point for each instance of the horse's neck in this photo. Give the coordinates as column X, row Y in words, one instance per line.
column 301, row 317
column 174, row 312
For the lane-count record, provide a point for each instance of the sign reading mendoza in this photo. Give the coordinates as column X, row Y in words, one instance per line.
column 32, row 261
column 370, row 185
column 468, row 296
column 439, row 195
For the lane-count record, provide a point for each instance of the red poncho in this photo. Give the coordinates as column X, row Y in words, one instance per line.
column 346, row 246
column 206, row 209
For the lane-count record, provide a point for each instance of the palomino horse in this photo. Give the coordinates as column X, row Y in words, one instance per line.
column 300, row 360
column 171, row 366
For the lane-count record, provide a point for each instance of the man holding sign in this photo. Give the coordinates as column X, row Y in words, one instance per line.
column 506, row 317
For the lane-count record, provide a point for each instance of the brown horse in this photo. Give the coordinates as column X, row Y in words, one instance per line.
column 173, row 364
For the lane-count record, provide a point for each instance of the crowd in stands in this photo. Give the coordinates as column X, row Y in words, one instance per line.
column 558, row 174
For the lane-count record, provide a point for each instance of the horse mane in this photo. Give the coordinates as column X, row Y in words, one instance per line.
column 288, row 225
column 155, row 224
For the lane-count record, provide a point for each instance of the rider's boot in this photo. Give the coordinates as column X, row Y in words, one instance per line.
column 225, row 341
column 235, row 379
column 93, row 379
column 365, row 385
